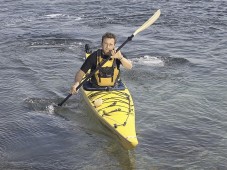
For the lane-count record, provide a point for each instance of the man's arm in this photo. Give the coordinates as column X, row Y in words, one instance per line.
column 124, row 61
column 83, row 70
column 78, row 77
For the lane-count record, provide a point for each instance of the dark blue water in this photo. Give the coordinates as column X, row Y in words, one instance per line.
column 178, row 84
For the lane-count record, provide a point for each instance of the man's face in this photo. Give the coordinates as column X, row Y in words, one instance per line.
column 108, row 45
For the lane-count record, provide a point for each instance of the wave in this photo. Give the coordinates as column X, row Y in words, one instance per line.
column 60, row 41
column 41, row 105
column 159, row 61
column 172, row 61
column 49, row 106
column 148, row 60
column 59, row 15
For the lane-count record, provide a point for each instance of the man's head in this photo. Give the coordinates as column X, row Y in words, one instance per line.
column 108, row 42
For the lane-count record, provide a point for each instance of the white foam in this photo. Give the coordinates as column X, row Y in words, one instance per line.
column 54, row 15
column 50, row 109
column 149, row 60
column 78, row 18
column 58, row 15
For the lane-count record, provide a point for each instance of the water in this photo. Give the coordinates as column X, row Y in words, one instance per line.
column 178, row 84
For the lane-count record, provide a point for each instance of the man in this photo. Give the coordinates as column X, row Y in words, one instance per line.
column 108, row 74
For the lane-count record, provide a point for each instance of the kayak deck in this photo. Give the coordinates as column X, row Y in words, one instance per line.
column 116, row 112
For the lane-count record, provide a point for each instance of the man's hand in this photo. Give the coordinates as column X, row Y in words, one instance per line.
column 124, row 61
column 117, row 55
column 73, row 88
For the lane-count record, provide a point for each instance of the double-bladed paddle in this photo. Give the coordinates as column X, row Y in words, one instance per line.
column 149, row 22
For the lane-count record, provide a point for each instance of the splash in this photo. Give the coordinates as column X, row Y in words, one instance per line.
column 41, row 105
column 50, row 109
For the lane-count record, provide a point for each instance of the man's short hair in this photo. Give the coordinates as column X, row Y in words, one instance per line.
column 109, row 35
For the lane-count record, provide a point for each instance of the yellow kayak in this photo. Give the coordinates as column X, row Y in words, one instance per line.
column 114, row 108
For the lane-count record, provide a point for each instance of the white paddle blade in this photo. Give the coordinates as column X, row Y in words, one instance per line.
column 148, row 22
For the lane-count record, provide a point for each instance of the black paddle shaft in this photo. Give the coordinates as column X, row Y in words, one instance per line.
column 97, row 68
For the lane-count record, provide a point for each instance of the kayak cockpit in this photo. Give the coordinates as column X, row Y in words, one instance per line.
column 90, row 87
